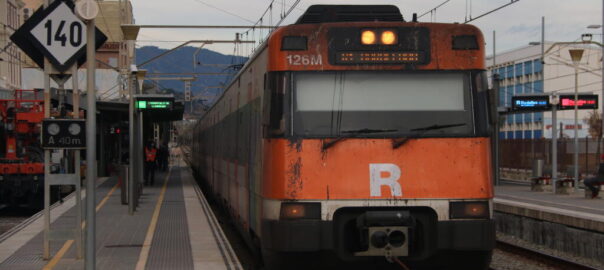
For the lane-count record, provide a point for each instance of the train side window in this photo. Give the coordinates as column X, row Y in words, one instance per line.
column 482, row 104
column 273, row 104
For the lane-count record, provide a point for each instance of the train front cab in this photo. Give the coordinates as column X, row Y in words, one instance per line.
column 367, row 161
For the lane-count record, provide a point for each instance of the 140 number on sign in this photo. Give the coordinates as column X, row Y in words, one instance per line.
column 75, row 33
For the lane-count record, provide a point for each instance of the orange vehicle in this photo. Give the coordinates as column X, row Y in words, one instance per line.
column 21, row 157
column 359, row 137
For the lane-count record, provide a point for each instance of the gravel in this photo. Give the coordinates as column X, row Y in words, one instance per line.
column 6, row 223
column 507, row 261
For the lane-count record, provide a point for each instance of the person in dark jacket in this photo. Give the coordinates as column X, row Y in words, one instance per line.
column 591, row 183
column 163, row 155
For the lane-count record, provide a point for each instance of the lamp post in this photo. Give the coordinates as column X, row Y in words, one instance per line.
column 576, row 55
column 597, row 26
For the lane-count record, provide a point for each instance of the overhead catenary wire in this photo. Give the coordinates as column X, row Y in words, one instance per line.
column 105, row 20
column 433, row 9
column 269, row 10
column 224, row 11
column 467, row 20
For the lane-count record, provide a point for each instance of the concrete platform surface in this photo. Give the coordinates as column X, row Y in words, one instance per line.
column 173, row 228
column 572, row 210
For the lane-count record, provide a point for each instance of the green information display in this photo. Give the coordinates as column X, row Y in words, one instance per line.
column 154, row 102
column 145, row 104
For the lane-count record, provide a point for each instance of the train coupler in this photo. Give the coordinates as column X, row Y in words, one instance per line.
column 385, row 233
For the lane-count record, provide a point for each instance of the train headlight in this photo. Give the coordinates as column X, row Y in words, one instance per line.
column 388, row 37
column 300, row 210
column 368, row 37
column 469, row 210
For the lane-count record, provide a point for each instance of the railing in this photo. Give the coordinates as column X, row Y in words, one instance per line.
column 520, row 153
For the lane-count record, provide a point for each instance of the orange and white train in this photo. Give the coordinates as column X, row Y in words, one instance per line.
column 355, row 136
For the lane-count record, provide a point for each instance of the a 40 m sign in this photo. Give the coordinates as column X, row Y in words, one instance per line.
column 61, row 34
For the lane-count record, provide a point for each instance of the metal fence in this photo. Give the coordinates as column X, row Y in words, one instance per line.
column 521, row 153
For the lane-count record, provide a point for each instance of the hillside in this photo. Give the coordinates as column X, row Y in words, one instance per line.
column 181, row 61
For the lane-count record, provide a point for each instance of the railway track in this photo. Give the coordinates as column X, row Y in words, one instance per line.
column 11, row 217
column 537, row 256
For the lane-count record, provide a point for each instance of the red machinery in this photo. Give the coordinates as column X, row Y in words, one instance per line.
column 21, row 157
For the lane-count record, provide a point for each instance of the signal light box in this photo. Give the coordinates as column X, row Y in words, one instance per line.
column 64, row 133
column 154, row 102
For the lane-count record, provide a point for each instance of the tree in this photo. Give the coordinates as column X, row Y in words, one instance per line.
column 594, row 120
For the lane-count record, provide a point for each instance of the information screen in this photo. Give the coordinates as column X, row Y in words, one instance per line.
column 154, row 102
column 567, row 102
column 144, row 104
column 530, row 103
column 375, row 57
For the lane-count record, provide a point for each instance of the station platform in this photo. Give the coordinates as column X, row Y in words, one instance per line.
column 173, row 228
column 572, row 210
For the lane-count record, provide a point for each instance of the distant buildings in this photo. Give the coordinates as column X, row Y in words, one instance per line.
column 522, row 72
column 10, row 56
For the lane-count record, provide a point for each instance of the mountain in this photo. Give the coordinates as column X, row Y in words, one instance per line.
column 181, row 61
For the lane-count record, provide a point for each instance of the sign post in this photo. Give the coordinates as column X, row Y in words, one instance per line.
column 554, row 101
column 88, row 9
column 56, row 40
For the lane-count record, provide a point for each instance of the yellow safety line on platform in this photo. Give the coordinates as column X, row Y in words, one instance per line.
column 53, row 262
column 144, row 255
column 59, row 255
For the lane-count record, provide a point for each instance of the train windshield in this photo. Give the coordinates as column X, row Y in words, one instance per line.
column 382, row 104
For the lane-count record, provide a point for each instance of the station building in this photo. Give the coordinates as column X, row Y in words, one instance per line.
column 521, row 71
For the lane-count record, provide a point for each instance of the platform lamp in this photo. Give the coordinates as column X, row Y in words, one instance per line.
column 140, row 77
column 576, row 55
column 599, row 26
column 130, row 31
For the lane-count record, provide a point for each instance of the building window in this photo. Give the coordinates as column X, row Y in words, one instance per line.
column 538, row 66
column 518, row 69
column 538, row 86
column 528, row 67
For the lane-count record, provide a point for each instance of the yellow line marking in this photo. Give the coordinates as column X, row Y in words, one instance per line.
column 144, row 255
column 104, row 201
column 53, row 262
column 59, row 255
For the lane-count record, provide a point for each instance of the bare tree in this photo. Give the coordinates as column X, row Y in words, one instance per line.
column 594, row 120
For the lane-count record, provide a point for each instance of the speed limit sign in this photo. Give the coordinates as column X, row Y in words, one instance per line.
column 57, row 33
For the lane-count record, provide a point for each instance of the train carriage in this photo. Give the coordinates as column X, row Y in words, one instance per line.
column 356, row 134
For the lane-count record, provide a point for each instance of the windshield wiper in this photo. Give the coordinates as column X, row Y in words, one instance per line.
column 354, row 133
column 420, row 131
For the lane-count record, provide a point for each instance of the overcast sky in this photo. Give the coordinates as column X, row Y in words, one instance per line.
column 516, row 25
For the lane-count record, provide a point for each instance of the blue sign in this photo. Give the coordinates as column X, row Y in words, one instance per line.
column 531, row 103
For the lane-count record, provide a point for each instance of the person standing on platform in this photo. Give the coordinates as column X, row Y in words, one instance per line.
column 591, row 183
column 150, row 159
column 162, row 157
column 166, row 151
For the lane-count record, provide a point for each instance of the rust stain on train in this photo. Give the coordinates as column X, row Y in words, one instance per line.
column 294, row 181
